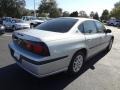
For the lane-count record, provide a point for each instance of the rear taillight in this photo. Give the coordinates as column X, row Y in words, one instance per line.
column 37, row 48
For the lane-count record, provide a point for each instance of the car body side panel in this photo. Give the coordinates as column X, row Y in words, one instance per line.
column 105, row 39
column 67, row 46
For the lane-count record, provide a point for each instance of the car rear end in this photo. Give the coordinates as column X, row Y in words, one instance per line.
column 22, row 26
column 36, row 56
column 29, row 54
column 44, row 51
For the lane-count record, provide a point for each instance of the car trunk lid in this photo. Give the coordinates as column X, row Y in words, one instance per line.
column 39, row 35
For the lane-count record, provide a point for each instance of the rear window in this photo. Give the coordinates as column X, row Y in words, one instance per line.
column 61, row 25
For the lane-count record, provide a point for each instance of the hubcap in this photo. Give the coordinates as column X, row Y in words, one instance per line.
column 78, row 63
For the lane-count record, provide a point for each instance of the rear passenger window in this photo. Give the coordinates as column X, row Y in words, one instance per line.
column 81, row 28
column 100, row 27
column 89, row 27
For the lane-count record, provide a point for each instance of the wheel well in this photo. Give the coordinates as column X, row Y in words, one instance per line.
column 112, row 38
column 84, row 50
column 13, row 26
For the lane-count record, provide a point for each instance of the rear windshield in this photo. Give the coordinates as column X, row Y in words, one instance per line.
column 61, row 25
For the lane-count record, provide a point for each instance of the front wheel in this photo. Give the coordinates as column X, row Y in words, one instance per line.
column 76, row 63
column 110, row 45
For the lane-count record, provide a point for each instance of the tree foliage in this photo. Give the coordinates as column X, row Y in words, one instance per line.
column 116, row 11
column 74, row 14
column 49, row 7
column 66, row 14
column 54, row 13
column 117, row 5
column 96, row 16
column 105, row 15
column 12, row 8
column 92, row 14
column 83, row 14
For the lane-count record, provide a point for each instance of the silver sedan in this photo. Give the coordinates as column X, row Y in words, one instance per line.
column 61, row 44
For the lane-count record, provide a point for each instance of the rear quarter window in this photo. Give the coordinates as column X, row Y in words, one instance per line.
column 100, row 27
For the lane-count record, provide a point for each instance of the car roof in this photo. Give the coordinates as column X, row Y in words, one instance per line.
column 79, row 18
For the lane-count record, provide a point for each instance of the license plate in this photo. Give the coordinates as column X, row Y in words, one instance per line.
column 17, row 55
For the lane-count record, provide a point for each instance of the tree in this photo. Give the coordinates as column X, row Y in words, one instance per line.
column 66, row 14
column 83, row 14
column 54, row 13
column 116, row 11
column 117, row 5
column 12, row 8
column 60, row 11
column 92, row 14
column 50, row 7
column 74, row 14
column 105, row 15
column 96, row 16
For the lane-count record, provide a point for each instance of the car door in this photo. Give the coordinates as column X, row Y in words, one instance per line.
column 104, row 38
column 92, row 37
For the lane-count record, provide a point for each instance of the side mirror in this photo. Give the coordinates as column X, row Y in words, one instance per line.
column 108, row 31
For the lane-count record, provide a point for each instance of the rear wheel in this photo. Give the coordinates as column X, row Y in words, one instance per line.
column 31, row 25
column 76, row 63
column 13, row 28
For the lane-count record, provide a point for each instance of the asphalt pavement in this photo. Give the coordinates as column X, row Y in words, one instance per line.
column 100, row 73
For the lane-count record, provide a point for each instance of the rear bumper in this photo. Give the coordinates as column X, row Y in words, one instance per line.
column 38, row 68
column 2, row 31
column 8, row 27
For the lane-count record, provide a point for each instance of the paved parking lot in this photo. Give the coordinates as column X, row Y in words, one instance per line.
column 100, row 73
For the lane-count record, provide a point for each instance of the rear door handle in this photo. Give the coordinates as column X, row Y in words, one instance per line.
column 89, row 39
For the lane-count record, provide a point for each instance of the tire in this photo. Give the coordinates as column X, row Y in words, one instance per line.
column 112, row 24
column 76, row 63
column 31, row 25
column 13, row 28
column 3, row 31
column 118, row 25
column 109, row 47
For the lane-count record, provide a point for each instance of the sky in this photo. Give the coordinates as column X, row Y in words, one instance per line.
column 78, row 5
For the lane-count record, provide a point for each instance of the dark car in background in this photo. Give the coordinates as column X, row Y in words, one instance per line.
column 114, row 22
column 118, row 23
